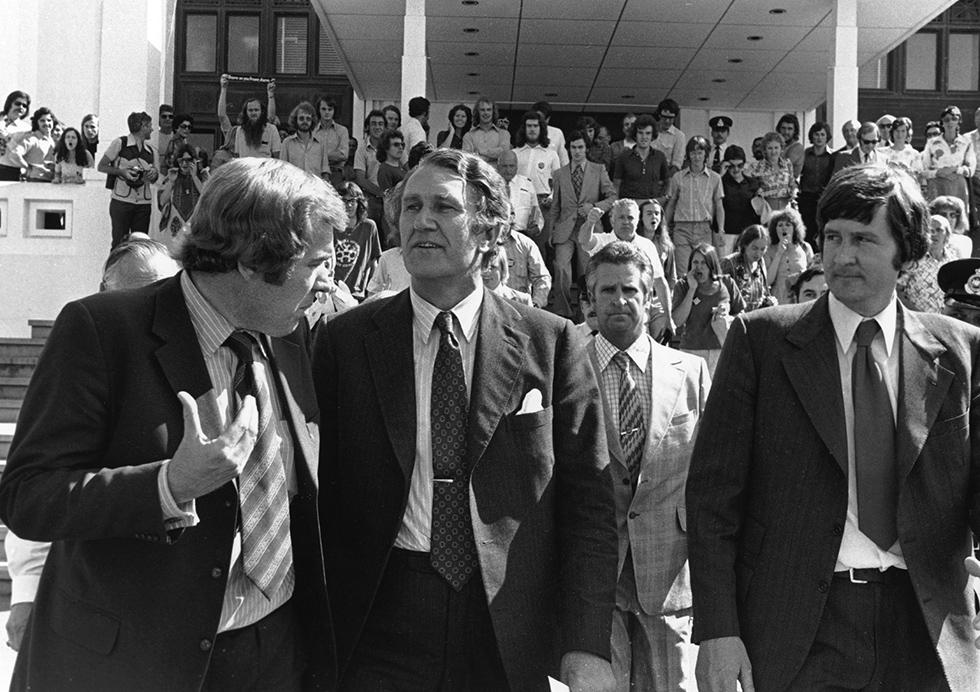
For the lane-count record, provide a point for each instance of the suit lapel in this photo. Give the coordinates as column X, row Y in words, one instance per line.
column 590, row 180
column 667, row 379
column 814, row 373
column 287, row 363
column 923, row 385
column 391, row 360
column 612, row 435
column 499, row 362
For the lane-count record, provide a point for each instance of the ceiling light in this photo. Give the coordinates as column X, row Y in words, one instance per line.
column 471, row 54
column 471, row 2
column 735, row 61
column 775, row 10
column 472, row 93
column 627, row 96
column 471, row 30
column 551, row 94
column 750, row 38
column 703, row 98
column 472, row 74
column 719, row 80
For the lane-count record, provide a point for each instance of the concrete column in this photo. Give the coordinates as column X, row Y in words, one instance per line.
column 842, row 75
column 413, row 54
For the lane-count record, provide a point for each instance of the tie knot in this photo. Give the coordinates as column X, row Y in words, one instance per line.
column 622, row 361
column 242, row 345
column 444, row 320
column 866, row 332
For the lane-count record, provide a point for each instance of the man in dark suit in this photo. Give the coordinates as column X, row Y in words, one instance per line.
column 168, row 446
column 866, row 150
column 468, row 512
column 579, row 186
column 835, row 481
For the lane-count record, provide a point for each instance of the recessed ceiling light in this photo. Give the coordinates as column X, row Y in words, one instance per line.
column 719, row 80
column 750, row 38
column 471, row 54
column 551, row 94
column 775, row 10
column 471, row 30
column 472, row 93
column 703, row 98
column 735, row 61
column 472, row 74
column 471, row 2
column 627, row 96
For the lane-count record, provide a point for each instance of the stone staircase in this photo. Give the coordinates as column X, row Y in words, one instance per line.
column 17, row 360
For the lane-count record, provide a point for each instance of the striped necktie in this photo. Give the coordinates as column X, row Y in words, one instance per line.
column 632, row 426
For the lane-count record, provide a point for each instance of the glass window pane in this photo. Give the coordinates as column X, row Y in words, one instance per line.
column 920, row 61
column 243, row 44
column 199, row 42
column 874, row 75
column 328, row 61
column 291, row 39
column 964, row 62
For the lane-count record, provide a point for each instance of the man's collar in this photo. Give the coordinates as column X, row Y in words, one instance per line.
column 639, row 351
column 211, row 326
column 466, row 312
column 846, row 322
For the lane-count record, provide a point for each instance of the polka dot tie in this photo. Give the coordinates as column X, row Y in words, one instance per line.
column 632, row 426
column 453, row 550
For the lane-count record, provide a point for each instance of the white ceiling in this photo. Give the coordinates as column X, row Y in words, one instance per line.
column 617, row 53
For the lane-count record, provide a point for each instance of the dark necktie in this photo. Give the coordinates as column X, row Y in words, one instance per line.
column 632, row 426
column 453, row 550
column 267, row 552
column 716, row 164
column 874, row 443
column 578, row 175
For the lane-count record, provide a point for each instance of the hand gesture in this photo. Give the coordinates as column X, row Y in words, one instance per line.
column 270, row 88
column 151, row 175
column 721, row 662
column 200, row 465
column 595, row 213
column 224, row 81
column 585, row 672
column 692, row 280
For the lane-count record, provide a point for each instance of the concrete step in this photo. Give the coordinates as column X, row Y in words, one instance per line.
column 5, row 440
column 40, row 328
column 9, row 410
column 13, row 387
column 17, row 366
column 16, row 347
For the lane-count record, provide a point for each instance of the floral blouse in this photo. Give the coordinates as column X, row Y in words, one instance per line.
column 918, row 285
column 750, row 282
column 775, row 181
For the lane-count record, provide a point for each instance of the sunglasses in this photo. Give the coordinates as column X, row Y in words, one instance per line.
column 398, row 144
column 167, row 116
column 184, row 126
column 869, row 141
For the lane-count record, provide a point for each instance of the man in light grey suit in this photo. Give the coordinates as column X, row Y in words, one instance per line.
column 652, row 397
column 578, row 187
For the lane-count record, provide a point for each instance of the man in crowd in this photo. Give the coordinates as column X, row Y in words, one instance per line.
column 304, row 148
column 627, row 142
column 166, row 117
column 695, row 205
column 625, row 219
column 579, row 186
column 670, row 140
column 836, row 475
column 489, row 137
column 721, row 127
column 960, row 283
column 468, row 509
column 527, row 216
column 131, row 162
column 416, row 127
column 974, row 136
column 850, row 133
column 643, row 172
column 14, row 124
column 866, row 150
column 366, row 165
column 178, row 485
column 652, row 398
column 537, row 162
column 556, row 138
column 333, row 136
column 527, row 272
column 254, row 135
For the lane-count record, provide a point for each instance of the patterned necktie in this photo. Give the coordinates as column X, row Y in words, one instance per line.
column 632, row 426
column 453, row 550
column 874, row 443
column 267, row 552
column 578, row 175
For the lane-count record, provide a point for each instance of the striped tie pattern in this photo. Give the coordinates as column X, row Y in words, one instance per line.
column 453, row 550
column 632, row 426
column 267, row 551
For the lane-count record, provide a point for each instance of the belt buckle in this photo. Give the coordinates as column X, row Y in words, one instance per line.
column 850, row 576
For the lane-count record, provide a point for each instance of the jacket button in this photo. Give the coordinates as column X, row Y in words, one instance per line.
column 216, row 572
column 838, row 530
column 634, row 515
column 227, row 503
column 823, row 586
column 205, row 645
column 626, row 481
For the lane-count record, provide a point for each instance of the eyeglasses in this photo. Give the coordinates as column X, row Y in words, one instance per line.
column 398, row 144
column 352, row 202
column 166, row 116
column 869, row 141
column 737, row 166
column 184, row 126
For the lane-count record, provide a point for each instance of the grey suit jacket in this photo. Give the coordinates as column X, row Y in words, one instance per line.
column 597, row 189
column 767, row 489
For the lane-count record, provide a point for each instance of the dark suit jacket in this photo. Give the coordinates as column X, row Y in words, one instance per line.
column 767, row 488
column 122, row 603
column 597, row 189
column 541, row 498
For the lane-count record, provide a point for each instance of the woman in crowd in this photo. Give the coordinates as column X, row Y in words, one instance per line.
column 35, row 152
column 747, row 268
column 357, row 247
column 389, row 153
column 932, row 129
column 739, row 191
column 901, row 152
column 90, row 133
column 393, row 117
column 917, row 287
column 460, row 122
column 183, row 124
column 953, row 209
column 788, row 128
column 948, row 161
column 818, row 165
column 788, row 254
column 652, row 228
column 70, row 158
column 178, row 196
column 777, row 182
column 13, row 126
column 598, row 151
column 704, row 302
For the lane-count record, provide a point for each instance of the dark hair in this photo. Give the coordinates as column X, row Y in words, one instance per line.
column 818, row 127
column 40, row 113
column 749, row 235
column 88, row 118
column 792, row 120
column 61, row 152
column 574, row 135
column 134, row 121
column 898, row 122
column 585, row 122
column 660, row 234
column 418, row 152
column 263, row 117
column 697, row 142
column 330, row 101
column 642, row 121
column 301, row 107
column 706, row 250
column 856, row 193
column 521, row 138
column 668, row 105
column 791, row 215
column 392, row 107
column 165, row 108
column 452, row 114
column 806, row 275
column 418, row 105
column 624, row 254
column 374, row 113
column 353, row 191
column 261, row 213
column 542, row 107
column 182, row 118
column 933, row 124
column 382, row 153
column 13, row 96
column 734, row 153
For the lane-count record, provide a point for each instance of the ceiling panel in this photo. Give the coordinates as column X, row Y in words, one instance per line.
column 567, row 32
column 751, row 60
column 625, row 79
column 735, row 36
column 554, row 77
column 689, row 11
column 454, row 8
column 501, row 54
column 552, row 55
column 663, row 34
column 489, row 29
column 649, row 57
column 582, row 10
column 805, row 13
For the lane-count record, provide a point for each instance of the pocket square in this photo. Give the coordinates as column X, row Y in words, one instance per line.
column 532, row 403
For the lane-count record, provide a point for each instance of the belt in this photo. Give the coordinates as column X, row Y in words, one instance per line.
column 873, row 575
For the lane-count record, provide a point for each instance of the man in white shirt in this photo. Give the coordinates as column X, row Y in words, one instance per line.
column 366, row 164
column 528, row 218
column 303, row 148
column 414, row 127
column 670, row 140
column 836, row 474
column 333, row 136
column 556, row 138
column 535, row 160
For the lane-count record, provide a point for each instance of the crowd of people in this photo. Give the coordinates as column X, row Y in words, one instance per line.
column 351, row 437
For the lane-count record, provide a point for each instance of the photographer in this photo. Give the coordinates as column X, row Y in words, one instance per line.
column 131, row 164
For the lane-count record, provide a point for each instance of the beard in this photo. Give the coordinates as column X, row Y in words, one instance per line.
column 253, row 130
